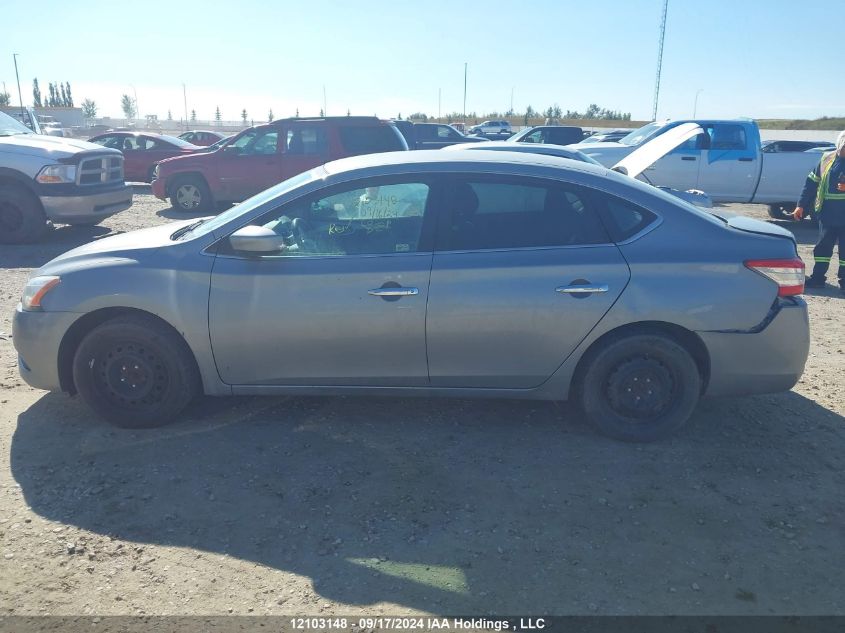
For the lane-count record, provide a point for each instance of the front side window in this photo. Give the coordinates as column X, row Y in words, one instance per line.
column 727, row 137
column 379, row 219
column 535, row 137
column 491, row 214
column 256, row 143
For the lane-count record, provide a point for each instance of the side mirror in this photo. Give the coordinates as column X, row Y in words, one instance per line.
column 256, row 239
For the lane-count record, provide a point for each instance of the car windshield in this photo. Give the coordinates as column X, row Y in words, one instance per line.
column 644, row 133
column 178, row 142
column 256, row 201
column 9, row 126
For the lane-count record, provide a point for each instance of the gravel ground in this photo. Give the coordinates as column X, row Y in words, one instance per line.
column 394, row 506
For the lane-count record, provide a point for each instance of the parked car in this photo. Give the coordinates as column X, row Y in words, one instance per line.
column 725, row 160
column 430, row 273
column 555, row 134
column 143, row 150
column 499, row 129
column 203, row 138
column 609, row 136
column 433, row 135
column 62, row 180
column 265, row 155
column 772, row 147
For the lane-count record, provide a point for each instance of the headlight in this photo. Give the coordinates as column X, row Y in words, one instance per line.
column 35, row 290
column 57, row 174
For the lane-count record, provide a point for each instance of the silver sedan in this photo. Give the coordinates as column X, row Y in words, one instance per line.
column 471, row 274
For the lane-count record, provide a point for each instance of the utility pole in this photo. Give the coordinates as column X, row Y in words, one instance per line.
column 185, row 100
column 20, row 98
column 659, row 59
column 465, row 92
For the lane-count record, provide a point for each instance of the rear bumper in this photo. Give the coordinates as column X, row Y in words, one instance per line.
column 87, row 208
column 768, row 361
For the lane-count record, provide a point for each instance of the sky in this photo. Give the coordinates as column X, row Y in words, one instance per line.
column 754, row 58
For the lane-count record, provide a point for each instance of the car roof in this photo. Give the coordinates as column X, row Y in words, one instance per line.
column 479, row 159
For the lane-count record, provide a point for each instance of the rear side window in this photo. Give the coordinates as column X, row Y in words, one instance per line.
column 624, row 220
column 492, row 214
column 370, row 140
column 306, row 140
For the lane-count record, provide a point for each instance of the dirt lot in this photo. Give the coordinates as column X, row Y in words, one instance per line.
column 318, row 505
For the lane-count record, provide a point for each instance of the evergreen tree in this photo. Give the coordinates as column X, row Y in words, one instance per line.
column 217, row 116
column 51, row 100
column 270, row 116
column 5, row 99
column 128, row 106
column 169, row 116
column 69, row 95
column 244, row 115
column 36, row 94
column 63, row 95
column 321, row 112
column 193, row 116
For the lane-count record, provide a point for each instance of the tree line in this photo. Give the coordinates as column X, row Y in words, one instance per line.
column 60, row 95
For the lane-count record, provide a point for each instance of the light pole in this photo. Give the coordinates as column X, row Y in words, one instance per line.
column 695, row 103
column 465, row 92
column 20, row 98
column 185, row 101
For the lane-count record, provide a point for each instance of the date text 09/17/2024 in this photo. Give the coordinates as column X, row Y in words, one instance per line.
column 416, row 623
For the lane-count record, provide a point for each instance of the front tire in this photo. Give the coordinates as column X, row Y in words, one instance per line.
column 22, row 219
column 135, row 372
column 639, row 388
column 190, row 194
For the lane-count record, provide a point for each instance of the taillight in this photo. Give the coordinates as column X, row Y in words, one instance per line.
column 788, row 274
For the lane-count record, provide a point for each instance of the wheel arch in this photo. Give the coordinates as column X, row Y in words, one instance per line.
column 82, row 326
column 688, row 339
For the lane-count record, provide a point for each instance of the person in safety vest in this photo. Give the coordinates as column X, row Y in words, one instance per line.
column 825, row 191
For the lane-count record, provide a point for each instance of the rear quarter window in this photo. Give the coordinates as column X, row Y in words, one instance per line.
column 370, row 140
column 623, row 219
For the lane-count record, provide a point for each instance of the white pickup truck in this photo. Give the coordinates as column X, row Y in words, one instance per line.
column 725, row 161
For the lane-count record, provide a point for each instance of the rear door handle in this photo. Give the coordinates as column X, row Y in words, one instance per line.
column 586, row 288
column 687, row 157
column 745, row 160
column 393, row 292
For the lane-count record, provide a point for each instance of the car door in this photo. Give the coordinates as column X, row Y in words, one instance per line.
column 343, row 304
column 304, row 147
column 156, row 150
column 251, row 163
column 134, row 163
column 730, row 166
column 679, row 169
column 523, row 270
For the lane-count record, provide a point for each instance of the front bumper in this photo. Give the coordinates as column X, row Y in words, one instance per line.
column 87, row 208
column 768, row 361
column 158, row 189
column 37, row 336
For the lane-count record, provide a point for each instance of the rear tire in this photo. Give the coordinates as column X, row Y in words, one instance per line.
column 639, row 388
column 190, row 194
column 22, row 219
column 135, row 372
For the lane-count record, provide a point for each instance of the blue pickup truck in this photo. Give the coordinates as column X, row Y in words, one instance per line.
column 725, row 161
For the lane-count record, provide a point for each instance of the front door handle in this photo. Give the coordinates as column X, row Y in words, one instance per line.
column 687, row 157
column 394, row 292
column 585, row 288
column 745, row 159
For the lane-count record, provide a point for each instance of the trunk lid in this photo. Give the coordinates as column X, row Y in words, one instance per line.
column 750, row 225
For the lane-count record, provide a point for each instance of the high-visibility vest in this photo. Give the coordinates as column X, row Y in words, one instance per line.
column 822, row 192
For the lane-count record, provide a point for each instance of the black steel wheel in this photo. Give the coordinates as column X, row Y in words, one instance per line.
column 640, row 387
column 135, row 372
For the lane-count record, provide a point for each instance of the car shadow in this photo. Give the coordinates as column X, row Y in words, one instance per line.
column 454, row 506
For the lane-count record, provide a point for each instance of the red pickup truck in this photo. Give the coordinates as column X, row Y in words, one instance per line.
column 264, row 155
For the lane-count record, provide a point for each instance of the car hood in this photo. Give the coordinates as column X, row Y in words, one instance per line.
column 608, row 154
column 113, row 249
column 53, row 146
column 648, row 153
